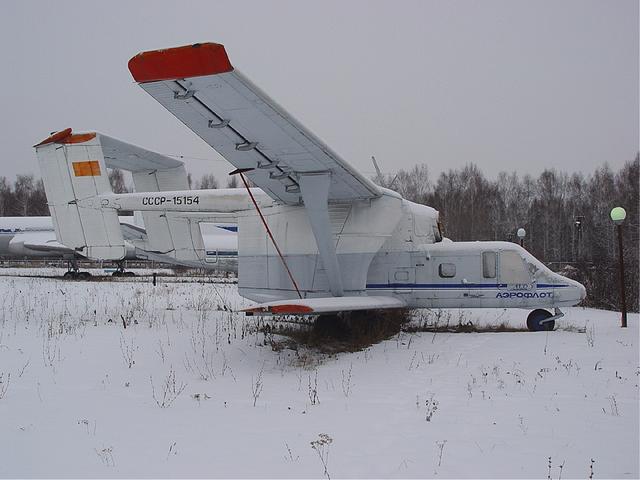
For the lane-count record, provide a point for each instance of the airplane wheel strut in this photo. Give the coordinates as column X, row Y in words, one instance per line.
column 538, row 321
column 121, row 272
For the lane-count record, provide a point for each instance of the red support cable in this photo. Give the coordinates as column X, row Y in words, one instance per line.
column 264, row 222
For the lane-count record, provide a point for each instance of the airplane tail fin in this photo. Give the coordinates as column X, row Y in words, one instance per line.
column 73, row 168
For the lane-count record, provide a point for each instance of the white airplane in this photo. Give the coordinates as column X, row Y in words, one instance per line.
column 35, row 238
column 316, row 237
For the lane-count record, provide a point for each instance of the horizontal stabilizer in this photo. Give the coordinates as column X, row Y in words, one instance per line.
column 316, row 306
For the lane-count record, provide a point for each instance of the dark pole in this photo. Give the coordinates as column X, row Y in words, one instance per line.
column 623, row 297
column 522, row 242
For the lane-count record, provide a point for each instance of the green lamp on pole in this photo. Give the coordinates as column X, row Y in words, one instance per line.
column 618, row 214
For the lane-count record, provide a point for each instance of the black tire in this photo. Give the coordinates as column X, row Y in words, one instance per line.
column 129, row 274
column 536, row 321
column 117, row 273
column 84, row 275
column 69, row 275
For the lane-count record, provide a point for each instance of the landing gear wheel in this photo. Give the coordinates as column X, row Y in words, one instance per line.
column 71, row 275
column 537, row 321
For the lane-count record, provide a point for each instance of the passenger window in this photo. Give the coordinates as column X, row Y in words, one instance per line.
column 489, row 264
column 447, row 270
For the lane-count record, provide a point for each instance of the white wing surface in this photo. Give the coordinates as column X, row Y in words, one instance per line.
column 315, row 306
column 198, row 84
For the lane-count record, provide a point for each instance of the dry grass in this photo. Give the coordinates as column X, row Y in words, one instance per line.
column 346, row 332
column 353, row 331
column 465, row 327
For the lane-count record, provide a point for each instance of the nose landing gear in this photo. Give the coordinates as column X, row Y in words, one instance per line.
column 541, row 320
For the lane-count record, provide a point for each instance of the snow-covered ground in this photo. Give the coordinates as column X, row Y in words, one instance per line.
column 190, row 389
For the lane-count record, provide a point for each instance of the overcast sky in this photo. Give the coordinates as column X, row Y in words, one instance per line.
column 509, row 85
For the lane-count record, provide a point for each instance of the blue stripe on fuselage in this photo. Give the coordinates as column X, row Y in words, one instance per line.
column 461, row 286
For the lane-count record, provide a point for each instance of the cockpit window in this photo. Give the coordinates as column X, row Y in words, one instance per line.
column 489, row 264
column 437, row 234
column 513, row 268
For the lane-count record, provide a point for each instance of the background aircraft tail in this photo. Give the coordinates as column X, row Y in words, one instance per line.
column 73, row 168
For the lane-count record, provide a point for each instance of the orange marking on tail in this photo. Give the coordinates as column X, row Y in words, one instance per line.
column 90, row 168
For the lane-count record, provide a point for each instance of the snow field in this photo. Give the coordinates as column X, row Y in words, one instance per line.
column 191, row 389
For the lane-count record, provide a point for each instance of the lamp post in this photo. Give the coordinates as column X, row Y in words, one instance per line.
column 521, row 233
column 618, row 214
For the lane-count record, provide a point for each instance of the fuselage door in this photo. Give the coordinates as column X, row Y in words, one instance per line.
column 402, row 279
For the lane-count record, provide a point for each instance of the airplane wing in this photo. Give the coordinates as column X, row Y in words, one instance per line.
column 198, row 84
column 316, row 306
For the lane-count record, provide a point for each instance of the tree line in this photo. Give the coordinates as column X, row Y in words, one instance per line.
column 565, row 216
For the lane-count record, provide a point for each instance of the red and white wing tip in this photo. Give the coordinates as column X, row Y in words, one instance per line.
column 315, row 306
column 284, row 309
column 195, row 60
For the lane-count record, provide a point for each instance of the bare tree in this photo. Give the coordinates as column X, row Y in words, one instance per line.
column 208, row 181
column 6, row 195
column 232, row 182
column 38, row 204
column 24, row 187
column 116, row 179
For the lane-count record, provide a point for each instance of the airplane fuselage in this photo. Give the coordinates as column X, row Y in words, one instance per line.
column 34, row 237
column 22, row 237
column 470, row 275
column 385, row 247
